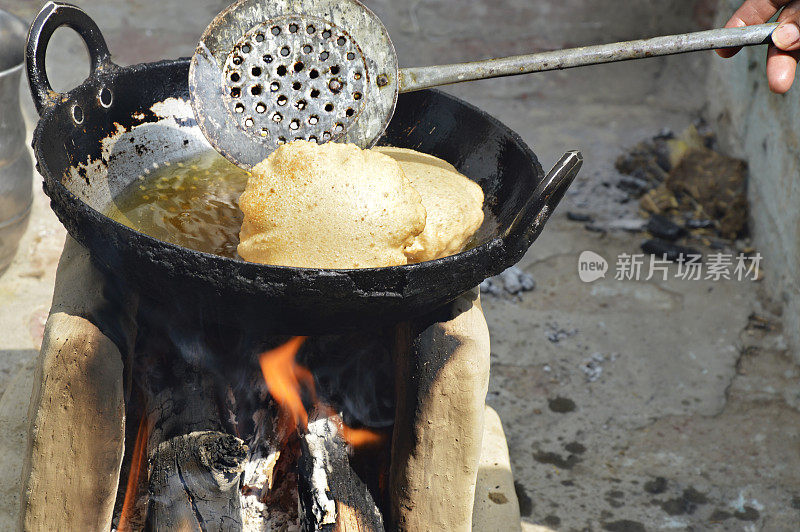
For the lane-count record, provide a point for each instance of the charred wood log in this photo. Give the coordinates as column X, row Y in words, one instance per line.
column 332, row 497
column 195, row 462
column 194, row 483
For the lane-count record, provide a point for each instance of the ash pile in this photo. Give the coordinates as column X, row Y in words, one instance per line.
column 690, row 195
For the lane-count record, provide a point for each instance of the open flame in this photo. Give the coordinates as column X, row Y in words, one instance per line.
column 136, row 470
column 362, row 437
column 287, row 381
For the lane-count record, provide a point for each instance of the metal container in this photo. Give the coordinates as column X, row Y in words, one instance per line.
column 16, row 171
column 95, row 141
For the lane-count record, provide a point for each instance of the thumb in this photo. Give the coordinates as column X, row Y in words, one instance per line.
column 787, row 36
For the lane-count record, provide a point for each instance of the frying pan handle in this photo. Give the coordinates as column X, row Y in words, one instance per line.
column 559, row 178
column 543, row 201
column 52, row 16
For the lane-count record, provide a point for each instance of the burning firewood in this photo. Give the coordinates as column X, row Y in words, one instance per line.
column 195, row 463
column 332, row 497
column 194, row 483
column 201, row 476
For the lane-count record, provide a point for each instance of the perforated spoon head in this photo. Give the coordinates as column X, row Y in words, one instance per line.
column 267, row 72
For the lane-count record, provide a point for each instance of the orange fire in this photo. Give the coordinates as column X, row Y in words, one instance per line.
column 286, row 380
column 362, row 437
column 132, row 487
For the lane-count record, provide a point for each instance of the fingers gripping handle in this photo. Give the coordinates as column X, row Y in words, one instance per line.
column 52, row 16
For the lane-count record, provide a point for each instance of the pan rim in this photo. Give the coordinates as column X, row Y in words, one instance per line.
column 52, row 180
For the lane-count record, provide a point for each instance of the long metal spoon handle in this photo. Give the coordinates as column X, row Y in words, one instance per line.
column 412, row 79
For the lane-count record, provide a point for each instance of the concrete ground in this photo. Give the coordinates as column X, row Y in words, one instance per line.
column 628, row 405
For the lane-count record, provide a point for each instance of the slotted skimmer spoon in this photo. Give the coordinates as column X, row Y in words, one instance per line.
column 267, row 72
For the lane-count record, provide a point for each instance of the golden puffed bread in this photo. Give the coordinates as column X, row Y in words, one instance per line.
column 329, row 206
column 453, row 202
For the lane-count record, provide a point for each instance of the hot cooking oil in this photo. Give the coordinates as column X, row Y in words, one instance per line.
column 192, row 203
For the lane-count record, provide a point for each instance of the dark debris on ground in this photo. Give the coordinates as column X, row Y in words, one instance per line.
column 690, row 195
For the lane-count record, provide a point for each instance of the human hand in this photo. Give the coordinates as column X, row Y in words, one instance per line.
column 782, row 57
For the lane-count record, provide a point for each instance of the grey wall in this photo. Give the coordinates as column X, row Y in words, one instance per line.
column 763, row 128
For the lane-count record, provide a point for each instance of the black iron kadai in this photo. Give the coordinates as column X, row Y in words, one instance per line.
column 94, row 141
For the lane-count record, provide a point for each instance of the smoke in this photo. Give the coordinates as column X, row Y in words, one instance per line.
column 354, row 374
